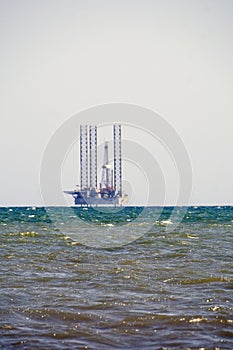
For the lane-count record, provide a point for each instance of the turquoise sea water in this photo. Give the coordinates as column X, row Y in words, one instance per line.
column 159, row 289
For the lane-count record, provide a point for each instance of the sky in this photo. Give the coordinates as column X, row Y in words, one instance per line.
column 60, row 57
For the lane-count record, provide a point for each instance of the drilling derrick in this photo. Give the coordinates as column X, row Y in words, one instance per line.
column 106, row 176
column 106, row 186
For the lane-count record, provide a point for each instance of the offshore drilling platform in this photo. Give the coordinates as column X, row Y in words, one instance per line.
column 109, row 191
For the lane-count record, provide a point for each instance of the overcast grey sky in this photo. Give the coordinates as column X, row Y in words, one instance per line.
column 61, row 56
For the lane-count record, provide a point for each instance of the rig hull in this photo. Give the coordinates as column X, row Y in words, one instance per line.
column 83, row 200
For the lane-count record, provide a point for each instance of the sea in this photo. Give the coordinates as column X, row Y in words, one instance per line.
column 133, row 278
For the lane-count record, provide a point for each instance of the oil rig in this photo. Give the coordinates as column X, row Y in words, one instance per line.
column 109, row 192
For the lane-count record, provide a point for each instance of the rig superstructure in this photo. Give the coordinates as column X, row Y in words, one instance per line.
column 110, row 190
